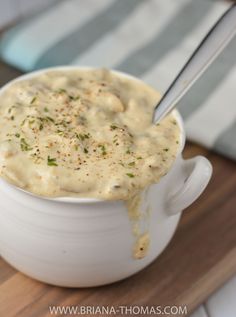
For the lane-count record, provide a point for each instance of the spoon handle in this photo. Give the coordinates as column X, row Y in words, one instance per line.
column 210, row 47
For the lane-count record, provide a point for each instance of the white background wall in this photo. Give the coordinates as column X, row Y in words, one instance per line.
column 11, row 10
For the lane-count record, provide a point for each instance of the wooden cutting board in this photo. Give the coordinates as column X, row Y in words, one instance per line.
column 199, row 259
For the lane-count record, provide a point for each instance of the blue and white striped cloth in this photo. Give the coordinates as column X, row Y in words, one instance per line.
column 150, row 39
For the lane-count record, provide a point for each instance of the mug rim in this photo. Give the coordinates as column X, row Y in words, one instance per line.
column 85, row 200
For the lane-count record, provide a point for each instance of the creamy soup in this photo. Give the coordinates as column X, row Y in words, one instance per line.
column 84, row 133
column 87, row 134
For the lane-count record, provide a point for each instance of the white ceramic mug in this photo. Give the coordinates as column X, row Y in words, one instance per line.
column 78, row 242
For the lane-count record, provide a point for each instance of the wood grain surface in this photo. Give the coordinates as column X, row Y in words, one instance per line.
column 199, row 259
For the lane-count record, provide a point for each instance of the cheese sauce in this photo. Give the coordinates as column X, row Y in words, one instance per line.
column 84, row 133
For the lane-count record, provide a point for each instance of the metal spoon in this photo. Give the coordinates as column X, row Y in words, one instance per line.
column 210, row 47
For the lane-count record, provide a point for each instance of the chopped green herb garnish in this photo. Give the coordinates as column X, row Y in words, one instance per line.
column 139, row 158
column 10, row 109
column 74, row 98
column 12, row 117
column 41, row 127
column 130, row 175
column 63, row 123
column 60, row 132
column 166, row 150
column 24, row 145
column 31, row 122
column 113, row 127
column 33, row 100
column 46, row 109
column 61, row 91
column 52, row 161
column 22, row 123
column 17, row 135
column 103, row 149
column 82, row 137
column 128, row 151
column 50, row 119
column 131, row 164
column 85, row 150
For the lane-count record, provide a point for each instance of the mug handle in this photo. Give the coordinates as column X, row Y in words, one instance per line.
column 198, row 171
